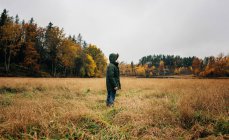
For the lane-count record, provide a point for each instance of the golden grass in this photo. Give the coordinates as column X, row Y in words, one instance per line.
column 74, row 108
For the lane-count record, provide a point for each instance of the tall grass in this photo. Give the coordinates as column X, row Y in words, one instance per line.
column 69, row 108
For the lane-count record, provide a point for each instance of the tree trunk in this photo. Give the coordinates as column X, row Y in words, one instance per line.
column 54, row 73
column 65, row 72
column 5, row 60
column 8, row 63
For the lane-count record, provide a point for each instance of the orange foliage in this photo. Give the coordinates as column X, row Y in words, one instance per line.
column 217, row 67
column 196, row 64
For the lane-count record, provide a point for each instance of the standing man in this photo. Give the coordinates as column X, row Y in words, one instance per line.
column 112, row 79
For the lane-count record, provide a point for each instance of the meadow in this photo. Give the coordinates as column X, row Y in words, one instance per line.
column 74, row 108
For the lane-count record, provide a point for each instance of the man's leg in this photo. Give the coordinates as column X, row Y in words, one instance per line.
column 108, row 98
column 113, row 96
column 113, row 93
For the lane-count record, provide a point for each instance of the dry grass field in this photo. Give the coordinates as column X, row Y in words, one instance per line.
column 72, row 108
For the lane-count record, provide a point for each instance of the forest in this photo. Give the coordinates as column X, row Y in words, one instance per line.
column 166, row 65
column 26, row 49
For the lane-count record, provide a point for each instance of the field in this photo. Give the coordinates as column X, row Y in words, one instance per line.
column 72, row 108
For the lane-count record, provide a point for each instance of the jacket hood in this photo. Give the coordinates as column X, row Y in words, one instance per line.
column 113, row 57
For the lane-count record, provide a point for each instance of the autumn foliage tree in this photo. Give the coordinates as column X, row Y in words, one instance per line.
column 98, row 58
column 89, row 66
column 141, row 71
column 196, row 66
column 125, row 69
column 31, row 55
column 218, row 66
column 67, row 54
column 10, row 40
column 161, row 66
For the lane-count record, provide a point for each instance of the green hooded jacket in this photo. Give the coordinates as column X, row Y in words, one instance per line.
column 112, row 76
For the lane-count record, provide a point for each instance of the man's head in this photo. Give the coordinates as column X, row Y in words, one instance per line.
column 113, row 57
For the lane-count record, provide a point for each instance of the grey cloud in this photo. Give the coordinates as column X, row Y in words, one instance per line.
column 136, row 28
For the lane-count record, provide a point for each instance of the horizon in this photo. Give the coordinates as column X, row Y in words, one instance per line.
column 136, row 29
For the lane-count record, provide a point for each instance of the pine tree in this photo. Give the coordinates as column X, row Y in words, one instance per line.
column 17, row 19
column 53, row 39
column 4, row 17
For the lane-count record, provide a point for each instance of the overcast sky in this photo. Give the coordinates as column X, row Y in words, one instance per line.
column 135, row 28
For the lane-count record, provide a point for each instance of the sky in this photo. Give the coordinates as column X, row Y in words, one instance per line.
column 136, row 28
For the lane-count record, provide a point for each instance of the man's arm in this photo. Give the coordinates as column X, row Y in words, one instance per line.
column 111, row 77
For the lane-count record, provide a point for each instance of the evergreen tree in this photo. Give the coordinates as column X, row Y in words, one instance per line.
column 53, row 39
column 17, row 19
column 4, row 17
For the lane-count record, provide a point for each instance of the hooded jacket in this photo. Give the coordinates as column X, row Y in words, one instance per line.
column 112, row 76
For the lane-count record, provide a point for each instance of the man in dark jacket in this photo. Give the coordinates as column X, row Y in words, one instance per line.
column 112, row 79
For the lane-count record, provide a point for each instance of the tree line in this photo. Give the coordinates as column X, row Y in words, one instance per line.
column 161, row 65
column 27, row 49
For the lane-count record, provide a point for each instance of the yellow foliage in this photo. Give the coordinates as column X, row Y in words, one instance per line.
column 89, row 66
column 67, row 52
column 141, row 71
column 99, row 59
column 161, row 66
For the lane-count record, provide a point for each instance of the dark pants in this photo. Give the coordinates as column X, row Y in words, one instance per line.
column 110, row 97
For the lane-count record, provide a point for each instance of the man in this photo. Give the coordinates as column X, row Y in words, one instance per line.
column 112, row 79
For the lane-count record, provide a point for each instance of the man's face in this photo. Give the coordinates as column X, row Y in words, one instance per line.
column 117, row 61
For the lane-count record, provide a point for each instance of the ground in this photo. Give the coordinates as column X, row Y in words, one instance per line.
column 74, row 108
